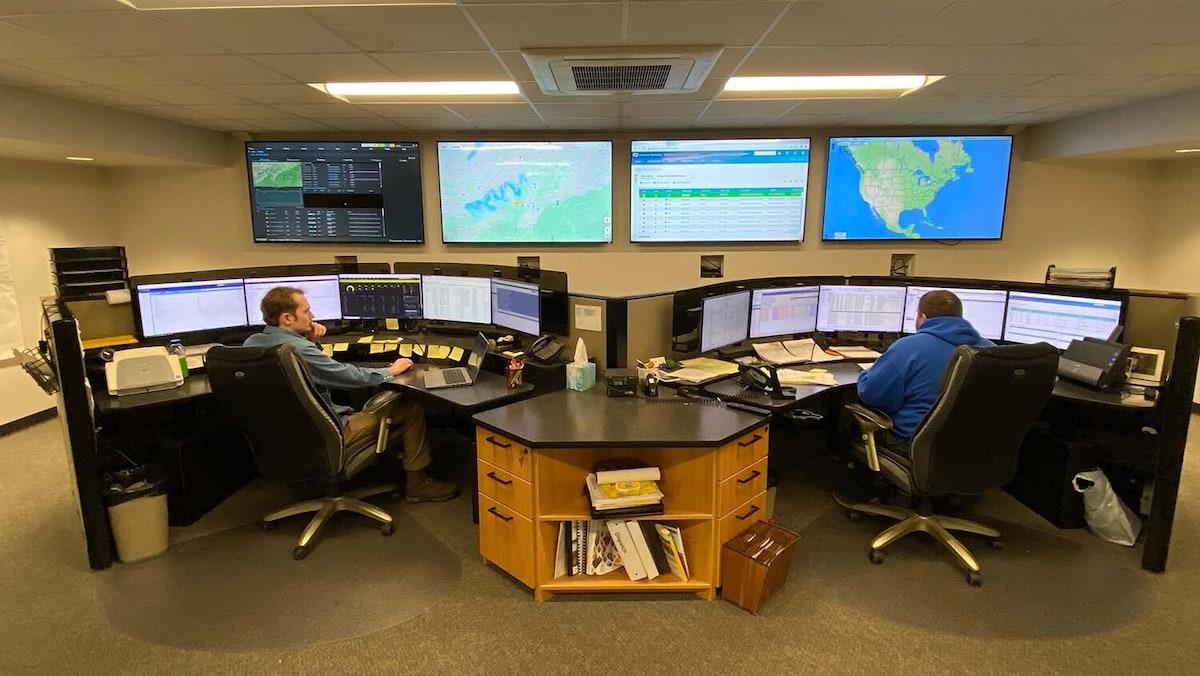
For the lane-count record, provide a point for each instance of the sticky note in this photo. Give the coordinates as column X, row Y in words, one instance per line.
column 406, row 350
column 438, row 351
column 456, row 353
column 327, row 350
column 364, row 340
column 376, row 348
column 341, row 347
column 391, row 345
column 391, row 324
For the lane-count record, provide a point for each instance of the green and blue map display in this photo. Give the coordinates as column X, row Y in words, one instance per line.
column 526, row 192
column 909, row 187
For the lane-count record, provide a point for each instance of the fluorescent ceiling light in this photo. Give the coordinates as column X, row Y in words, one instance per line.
column 827, row 86
column 1188, row 150
column 81, row 159
column 409, row 92
column 155, row 5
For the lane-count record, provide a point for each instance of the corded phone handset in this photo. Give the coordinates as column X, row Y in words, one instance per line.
column 762, row 379
column 545, row 348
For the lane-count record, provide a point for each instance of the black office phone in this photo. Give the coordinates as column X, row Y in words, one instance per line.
column 545, row 348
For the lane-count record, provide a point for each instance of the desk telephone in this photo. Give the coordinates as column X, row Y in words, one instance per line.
column 545, row 348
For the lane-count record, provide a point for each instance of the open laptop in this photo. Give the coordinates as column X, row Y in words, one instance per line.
column 459, row 375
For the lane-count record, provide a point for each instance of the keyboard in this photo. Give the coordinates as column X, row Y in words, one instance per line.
column 454, row 376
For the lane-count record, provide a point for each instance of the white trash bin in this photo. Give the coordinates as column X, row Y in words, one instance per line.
column 137, row 514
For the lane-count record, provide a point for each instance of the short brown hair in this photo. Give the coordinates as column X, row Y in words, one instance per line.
column 940, row 303
column 279, row 300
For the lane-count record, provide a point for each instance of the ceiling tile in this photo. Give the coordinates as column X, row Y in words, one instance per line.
column 1081, row 85
column 285, row 124
column 1045, row 59
column 1163, row 86
column 213, row 69
column 19, row 7
column 12, row 74
column 100, row 71
column 736, row 122
column 837, row 106
column 1084, row 104
column 241, row 111
column 799, row 119
column 934, row 59
column 260, row 31
column 352, row 67
column 95, row 94
column 317, row 111
column 508, row 123
column 841, row 22
column 119, row 33
column 172, row 112
column 514, row 111
column 17, row 43
column 277, row 93
column 657, row 123
column 517, row 66
column 1010, row 22
column 180, row 94
column 730, row 109
column 812, row 61
column 531, row 26
column 1132, row 22
column 442, row 65
column 1152, row 60
column 362, row 124
column 981, row 85
column 416, row 111
column 1008, row 105
column 662, row 109
column 441, row 124
column 700, row 23
column 579, row 109
column 585, row 123
column 402, row 29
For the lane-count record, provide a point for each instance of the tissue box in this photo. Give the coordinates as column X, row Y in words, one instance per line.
column 581, row 377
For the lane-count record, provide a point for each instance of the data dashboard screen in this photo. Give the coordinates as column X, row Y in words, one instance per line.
column 321, row 291
column 380, row 296
column 861, row 308
column 302, row 191
column 780, row 312
column 750, row 190
column 457, row 299
column 179, row 307
column 1037, row 317
column 532, row 192
column 908, row 187
column 516, row 306
column 724, row 320
column 983, row 308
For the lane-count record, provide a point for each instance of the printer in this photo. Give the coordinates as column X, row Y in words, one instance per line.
column 1094, row 362
column 142, row 369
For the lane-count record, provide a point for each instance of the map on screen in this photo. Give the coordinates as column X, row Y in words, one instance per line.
column 526, row 192
column 933, row 187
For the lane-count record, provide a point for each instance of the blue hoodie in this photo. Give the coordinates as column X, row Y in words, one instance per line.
column 905, row 381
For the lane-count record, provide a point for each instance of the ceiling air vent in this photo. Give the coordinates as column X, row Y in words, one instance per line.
column 621, row 70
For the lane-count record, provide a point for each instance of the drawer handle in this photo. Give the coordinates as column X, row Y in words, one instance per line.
column 493, row 477
column 493, row 441
column 509, row 518
column 753, row 440
column 750, row 478
column 747, row 515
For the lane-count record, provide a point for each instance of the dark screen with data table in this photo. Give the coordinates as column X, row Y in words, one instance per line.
column 380, row 296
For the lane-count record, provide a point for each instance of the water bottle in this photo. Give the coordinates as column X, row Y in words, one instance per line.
column 175, row 347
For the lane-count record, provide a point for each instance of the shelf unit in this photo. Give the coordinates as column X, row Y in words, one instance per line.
column 82, row 273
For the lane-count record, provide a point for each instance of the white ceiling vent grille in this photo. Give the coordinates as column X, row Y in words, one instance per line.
column 621, row 70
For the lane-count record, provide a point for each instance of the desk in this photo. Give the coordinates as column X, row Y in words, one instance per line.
column 535, row 454
column 490, row 390
column 846, row 374
column 1074, row 392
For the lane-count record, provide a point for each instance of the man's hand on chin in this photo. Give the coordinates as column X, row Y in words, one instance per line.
column 318, row 329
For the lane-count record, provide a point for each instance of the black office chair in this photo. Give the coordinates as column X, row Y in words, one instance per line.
column 296, row 436
column 968, row 442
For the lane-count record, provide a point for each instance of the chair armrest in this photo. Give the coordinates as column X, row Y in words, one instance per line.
column 869, row 422
column 380, row 401
column 380, row 406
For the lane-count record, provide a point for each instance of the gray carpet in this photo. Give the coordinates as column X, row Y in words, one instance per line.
column 242, row 591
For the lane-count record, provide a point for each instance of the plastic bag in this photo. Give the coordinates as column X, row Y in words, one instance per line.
column 1106, row 515
column 136, row 482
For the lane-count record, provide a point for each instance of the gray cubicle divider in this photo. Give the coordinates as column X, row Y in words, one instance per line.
column 632, row 328
column 1151, row 320
column 595, row 341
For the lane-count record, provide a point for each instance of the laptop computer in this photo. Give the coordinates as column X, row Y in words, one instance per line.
column 459, row 375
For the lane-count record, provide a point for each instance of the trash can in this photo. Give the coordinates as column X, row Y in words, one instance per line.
column 137, row 511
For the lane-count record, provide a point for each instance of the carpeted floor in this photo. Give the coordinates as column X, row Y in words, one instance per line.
column 1053, row 601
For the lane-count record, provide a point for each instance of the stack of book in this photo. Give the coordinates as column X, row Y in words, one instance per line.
column 645, row 550
column 624, row 492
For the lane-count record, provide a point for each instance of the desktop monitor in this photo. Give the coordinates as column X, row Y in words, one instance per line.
column 323, row 192
column 861, row 308
column 380, row 296
column 724, row 320
column 983, row 308
column 516, row 306
column 718, row 190
column 457, row 299
column 1037, row 317
column 321, row 290
column 179, row 307
column 781, row 312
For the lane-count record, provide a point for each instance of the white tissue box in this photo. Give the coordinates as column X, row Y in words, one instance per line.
column 581, row 377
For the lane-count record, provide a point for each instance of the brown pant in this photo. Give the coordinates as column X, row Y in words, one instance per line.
column 408, row 423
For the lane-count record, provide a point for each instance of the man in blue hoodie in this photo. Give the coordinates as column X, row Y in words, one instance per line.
column 905, row 381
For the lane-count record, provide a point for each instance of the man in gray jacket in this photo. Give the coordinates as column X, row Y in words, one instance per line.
column 289, row 319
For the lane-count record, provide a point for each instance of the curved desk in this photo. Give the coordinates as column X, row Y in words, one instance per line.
column 845, row 373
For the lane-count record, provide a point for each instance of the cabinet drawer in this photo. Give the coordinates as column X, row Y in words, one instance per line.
column 740, row 487
column 739, row 453
column 506, row 539
column 505, row 488
column 502, row 452
column 743, row 517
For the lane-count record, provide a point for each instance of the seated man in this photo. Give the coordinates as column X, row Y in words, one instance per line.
column 905, row 381
column 289, row 319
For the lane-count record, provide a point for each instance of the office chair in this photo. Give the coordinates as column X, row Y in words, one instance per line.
column 295, row 436
column 968, row 442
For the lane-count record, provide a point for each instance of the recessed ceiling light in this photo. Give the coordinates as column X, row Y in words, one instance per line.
column 409, row 92
column 81, row 159
column 827, row 86
column 1188, row 150
column 154, row 5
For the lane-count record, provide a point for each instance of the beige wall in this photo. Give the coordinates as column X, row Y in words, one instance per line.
column 1175, row 245
column 1081, row 214
column 43, row 206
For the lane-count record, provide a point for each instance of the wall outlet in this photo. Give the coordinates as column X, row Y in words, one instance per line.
column 712, row 266
column 529, row 262
column 903, row 265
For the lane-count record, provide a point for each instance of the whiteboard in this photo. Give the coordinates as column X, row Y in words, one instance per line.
column 10, row 313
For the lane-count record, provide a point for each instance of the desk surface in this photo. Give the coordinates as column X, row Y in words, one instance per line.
column 569, row 419
column 846, row 374
column 490, row 389
column 195, row 385
column 1069, row 391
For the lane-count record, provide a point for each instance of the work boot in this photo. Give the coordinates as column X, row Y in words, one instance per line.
column 420, row 487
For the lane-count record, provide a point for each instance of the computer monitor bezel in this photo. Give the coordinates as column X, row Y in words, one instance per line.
column 953, row 289
column 1119, row 296
column 704, row 301
column 904, row 297
column 137, row 283
column 766, row 289
column 396, row 275
column 492, row 302
column 425, row 306
column 292, row 280
column 552, row 286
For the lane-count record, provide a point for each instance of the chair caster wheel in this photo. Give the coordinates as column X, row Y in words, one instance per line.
column 974, row 578
column 299, row 553
column 997, row 544
column 267, row 525
column 387, row 529
column 876, row 556
column 853, row 515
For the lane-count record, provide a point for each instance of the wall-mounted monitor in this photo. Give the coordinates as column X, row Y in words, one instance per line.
column 457, row 299
column 172, row 308
column 861, row 308
column 783, row 311
column 321, row 291
column 983, row 308
column 910, row 187
column 516, row 306
column 380, row 296
column 1055, row 319
column 725, row 320
column 527, row 192
column 745, row 190
column 361, row 193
